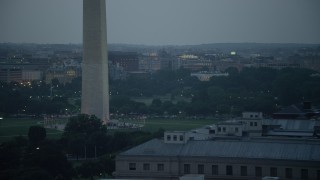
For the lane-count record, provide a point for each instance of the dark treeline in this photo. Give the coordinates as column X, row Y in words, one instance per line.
column 252, row 89
column 85, row 150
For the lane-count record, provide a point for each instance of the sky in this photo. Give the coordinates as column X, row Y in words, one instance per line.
column 165, row 22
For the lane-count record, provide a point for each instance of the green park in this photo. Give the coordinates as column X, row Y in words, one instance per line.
column 15, row 127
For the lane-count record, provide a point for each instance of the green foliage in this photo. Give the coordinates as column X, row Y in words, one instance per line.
column 18, row 160
column 35, row 173
column 89, row 169
column 83, row 124
column 36, row 134
column 241, row 90
column 85, row 136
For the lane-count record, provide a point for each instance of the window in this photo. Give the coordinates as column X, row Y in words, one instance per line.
column 273, row 172
column 251, row 123
column 224, row 129
column 236, row 129
column 181, row 138
column 258, row 171
column 160, row 167
column 304, row 173
column 175, row 137
column 200, row 169
column 219, row 129
column 255, row 124
column 215, row 170
column 132, row 166
column 186, row 168
column 168, row 138
column 288, row 173
column 243, row 170
column 146, row 167
column 229, row 170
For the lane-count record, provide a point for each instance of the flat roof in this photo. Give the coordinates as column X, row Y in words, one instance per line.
column 234, row 149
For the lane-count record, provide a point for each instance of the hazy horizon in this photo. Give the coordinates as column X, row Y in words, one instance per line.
column 165, row 22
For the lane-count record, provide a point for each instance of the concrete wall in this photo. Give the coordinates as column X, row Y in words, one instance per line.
column 174, row 167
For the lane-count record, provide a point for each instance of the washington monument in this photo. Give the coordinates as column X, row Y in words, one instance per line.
column 95, row 87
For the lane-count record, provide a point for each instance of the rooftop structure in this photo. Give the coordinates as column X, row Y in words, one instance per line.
column 220, row 151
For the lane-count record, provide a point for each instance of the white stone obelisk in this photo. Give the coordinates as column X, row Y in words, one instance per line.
column 95, row 87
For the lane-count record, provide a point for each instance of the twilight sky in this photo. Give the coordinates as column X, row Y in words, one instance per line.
column 163, row 22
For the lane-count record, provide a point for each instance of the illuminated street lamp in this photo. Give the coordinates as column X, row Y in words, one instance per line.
column 1, row 121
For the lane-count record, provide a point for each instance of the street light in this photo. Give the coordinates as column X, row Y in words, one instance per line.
column 1, row 121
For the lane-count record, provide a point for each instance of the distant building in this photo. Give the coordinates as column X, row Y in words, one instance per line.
column 64, row 72
column 194, row 63
column 205, row 75
column 117, row 72
column 303, row 110
column 21, row 72
column 278, row 65
column 32, row 75
column 128, row 60
column 149, row 62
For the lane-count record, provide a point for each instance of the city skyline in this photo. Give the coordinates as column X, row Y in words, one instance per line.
column 165, row 22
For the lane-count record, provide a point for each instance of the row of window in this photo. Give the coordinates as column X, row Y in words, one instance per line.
column 236, row 129
column 175, row 138
column 244, row 171
column 304, row 174
column 253, row 124
column 146, row 167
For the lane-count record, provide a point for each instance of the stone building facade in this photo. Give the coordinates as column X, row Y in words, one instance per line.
column 221, row 160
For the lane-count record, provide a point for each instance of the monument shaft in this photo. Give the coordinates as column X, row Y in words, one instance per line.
column 95, row 88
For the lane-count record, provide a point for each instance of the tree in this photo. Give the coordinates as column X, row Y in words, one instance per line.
column 36, row 134
column 35, row 173
column 49, row 157
column 90, row 169
column 82, row 131
column 84, row 124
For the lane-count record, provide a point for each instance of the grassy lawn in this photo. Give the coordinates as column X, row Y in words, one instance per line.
column 153, row 125
column 11, row 127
